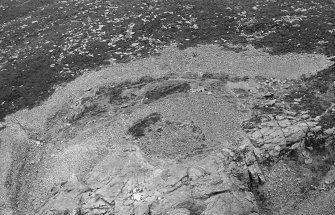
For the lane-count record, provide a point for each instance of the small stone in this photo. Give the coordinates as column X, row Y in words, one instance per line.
column 271, row 117
column 230, row 152
column 268, row 95
column 306, row 154
column 137, row 197
column 277, row 148
column 136, row 190
column 316, row 128
column 330, row 131
column 309, row 148
column 317, row 118
column 280, row 105
column 271, row 102
column 273, row 153
column 309, row 161
column 280, row 117
column 134, row 44
column 127, row 137
column 257, row 152
column 305, row 116
column 276, row 151
column 296, row 146
column 129, row 149
column 201, row 89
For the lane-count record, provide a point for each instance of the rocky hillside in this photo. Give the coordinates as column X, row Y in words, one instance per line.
column 167, row 107
column 138, row 139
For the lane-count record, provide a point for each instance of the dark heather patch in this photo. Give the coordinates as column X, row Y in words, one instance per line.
column 309, row 101
column 312, row 92
column 219, row 76
column 165, row 90
column 138, row 129
column 308, row 186
column 316, row 143
column 19, row 8
column 239, row 79
column 328, row 120
column 115, row 92
column 321, row 80
column 290, row 154
column 263, row 202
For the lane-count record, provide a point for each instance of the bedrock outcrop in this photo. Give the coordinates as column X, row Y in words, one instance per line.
column 203, row 144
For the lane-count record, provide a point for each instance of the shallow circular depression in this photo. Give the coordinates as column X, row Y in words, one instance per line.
column 189, row 124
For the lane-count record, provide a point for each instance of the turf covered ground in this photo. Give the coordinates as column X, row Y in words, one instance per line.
column 44, row 42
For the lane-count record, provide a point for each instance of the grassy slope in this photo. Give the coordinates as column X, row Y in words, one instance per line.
column 45, row 42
